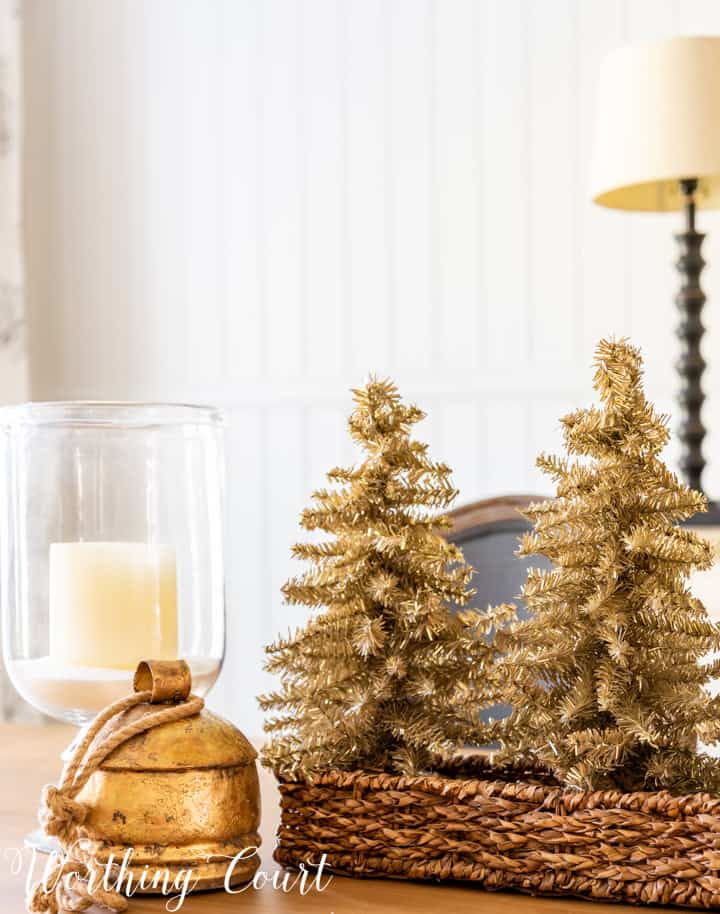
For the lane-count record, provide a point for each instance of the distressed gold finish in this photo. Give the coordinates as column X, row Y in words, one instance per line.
column 168, row 680
column 181, row 795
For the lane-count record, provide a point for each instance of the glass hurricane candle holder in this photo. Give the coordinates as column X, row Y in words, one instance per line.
column 111, row 548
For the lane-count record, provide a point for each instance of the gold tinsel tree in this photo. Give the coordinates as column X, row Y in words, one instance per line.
column 606, row 676
column 386, row 677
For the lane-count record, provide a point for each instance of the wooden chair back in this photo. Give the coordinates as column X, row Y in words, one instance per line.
column 488, row 533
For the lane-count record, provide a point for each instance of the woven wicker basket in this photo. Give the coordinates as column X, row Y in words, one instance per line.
column 507, row 829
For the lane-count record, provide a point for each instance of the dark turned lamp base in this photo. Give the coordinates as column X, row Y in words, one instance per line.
column 691, row 365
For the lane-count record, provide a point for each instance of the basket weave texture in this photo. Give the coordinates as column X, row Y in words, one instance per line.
column 512, row 828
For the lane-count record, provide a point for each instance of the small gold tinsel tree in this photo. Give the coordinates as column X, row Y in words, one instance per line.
column 604, row 676
column 386, row 677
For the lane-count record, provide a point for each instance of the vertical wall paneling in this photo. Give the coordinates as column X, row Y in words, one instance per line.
column 259, row 202
column 545, row 432
column 602, row 253
column 432, row 428
column 509, row 450
column 322, row 181
column 326, row 440
column 286, row 495
column 64, row 114
column 411, row 91
column 131, row 239
column 166, row 217
column 248, row 570
column 455, row 306
column 203, row 137
column 696, row 17
column 504, row 160
column 462, row 444
column 367, row 175
column 106, row 108
column 241, row 190
column 552, row 150
column 665, row 404
column 284, row 188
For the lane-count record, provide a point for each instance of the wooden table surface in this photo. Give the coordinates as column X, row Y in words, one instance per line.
column 29, row 758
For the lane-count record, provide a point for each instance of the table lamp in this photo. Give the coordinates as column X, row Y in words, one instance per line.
column 657, row 148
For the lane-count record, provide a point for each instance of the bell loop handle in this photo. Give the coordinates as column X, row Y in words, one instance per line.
column 166, row 680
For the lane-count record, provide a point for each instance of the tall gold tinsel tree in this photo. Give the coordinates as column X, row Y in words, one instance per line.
column 386, row 677
column 605, row 677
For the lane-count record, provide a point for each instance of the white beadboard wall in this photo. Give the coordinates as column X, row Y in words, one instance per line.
column 257, row 202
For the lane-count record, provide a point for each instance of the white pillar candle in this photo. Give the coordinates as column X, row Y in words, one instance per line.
column 112, row 604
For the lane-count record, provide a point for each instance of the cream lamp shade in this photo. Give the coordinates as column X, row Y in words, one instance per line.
column 658, row 121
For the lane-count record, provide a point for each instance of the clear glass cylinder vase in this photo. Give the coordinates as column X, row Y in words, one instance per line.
column 111, row 548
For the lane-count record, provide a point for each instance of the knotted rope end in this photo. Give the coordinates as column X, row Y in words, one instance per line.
column 59, row 814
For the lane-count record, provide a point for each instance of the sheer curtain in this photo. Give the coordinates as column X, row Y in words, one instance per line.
column 12, row 353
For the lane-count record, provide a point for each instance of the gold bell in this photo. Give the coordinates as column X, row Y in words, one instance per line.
column 182, row 795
